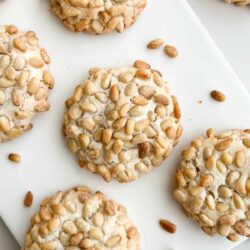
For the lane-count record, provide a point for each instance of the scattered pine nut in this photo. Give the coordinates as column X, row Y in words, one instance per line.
column 155, row 44
column 168, row 226
column 28, row 199
column 218, row 96
column 14, row 157
column 171, row 51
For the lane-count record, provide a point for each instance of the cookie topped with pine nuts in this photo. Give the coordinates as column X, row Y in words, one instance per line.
column 238, row 2
column 81, row 219
column 214, row 183
column 122, row 122
column 24, row 81
column 98, row 16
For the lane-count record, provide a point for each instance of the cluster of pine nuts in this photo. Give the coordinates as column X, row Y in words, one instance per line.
column 122, row 122
column 98, row 16
column 238, row 2
column 24, row 81
column 214, row 183
column 78, row 219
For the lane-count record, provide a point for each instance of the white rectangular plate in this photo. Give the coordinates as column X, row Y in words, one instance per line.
column 48, row 166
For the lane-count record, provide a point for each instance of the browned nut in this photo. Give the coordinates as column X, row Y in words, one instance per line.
column 28, row 199
column 168, row 226
column 171, row 51
column 14, row 157
column 218, row 96
column 233, row 237
column 155, row 44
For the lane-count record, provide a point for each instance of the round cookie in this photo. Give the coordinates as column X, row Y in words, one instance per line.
column 24, row 81
column 239, row 2
column 98, row 16
column 214, row 183
column 79, row 219
column 122, row 122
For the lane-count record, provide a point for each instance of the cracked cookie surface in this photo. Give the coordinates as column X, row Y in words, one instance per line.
column 122, row 122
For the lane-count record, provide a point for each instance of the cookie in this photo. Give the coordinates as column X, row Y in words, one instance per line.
column 122, row 122
column 239, row 2
column 214, row 183
column 80, row 219
column 98, row 16
column 24, row 81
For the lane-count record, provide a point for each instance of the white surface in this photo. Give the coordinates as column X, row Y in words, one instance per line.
column 185, row 75
column 229, row 27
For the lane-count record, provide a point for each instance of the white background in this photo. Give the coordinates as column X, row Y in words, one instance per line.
column 229, row 27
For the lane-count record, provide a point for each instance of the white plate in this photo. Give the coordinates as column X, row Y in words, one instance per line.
column 48, row 166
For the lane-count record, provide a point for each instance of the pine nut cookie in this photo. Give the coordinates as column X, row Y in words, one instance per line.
column 79, row 219
column 238, row 2
column 24, row 81
column 122, row 122
column 98, row 16
column 214, row 183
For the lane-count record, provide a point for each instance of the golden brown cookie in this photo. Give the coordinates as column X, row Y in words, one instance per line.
column 25, row 81
column 239, row 2
column 98, row 16
column 79, row 219
column 214, row 183
column 122, row 122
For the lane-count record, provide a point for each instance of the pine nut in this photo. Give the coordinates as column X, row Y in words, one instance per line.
column 141, row 65
column 14, row 157
column 28, row 200
column 171, row 51
column 168, row 226
column 218, row 96
column 155, row 44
